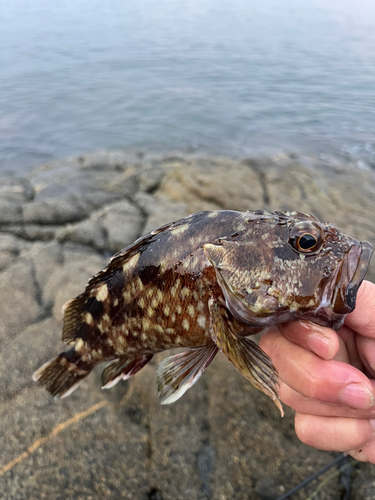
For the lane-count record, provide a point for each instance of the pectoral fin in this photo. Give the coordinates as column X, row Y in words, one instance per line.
column 245, row 355
column 176, row 374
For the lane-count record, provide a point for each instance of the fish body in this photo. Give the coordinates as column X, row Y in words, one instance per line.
column 206, row 282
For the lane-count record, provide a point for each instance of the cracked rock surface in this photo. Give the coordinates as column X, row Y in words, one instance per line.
column 223, row 439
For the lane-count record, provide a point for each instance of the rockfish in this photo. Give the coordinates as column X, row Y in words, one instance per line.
column 206, row 282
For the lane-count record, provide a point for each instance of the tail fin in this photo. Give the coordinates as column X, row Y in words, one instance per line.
column 60, row 376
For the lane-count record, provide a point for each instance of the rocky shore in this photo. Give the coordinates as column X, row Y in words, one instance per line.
column 223, row 439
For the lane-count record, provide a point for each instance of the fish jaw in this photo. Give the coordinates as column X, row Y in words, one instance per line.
column 339, row 298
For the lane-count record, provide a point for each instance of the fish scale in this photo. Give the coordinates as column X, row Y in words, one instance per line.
column 207, row 282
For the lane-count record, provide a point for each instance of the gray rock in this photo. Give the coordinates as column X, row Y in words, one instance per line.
column 89, row 232
column 10, row 212
column 19, row 298
column 10, row 247
column 223, row 439
column 363, row 486
column 32, row 232
column 267, row 489
column 53, row 211
column 122, row 223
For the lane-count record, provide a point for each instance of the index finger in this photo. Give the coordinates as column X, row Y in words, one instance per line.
column 362, row 319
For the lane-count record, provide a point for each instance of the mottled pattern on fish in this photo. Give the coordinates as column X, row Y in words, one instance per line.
column 206, row 282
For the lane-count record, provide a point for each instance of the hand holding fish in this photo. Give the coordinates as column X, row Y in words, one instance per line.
column 329, row 378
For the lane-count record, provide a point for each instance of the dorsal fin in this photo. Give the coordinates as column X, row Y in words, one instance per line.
column 82, row 313
column 120, row 258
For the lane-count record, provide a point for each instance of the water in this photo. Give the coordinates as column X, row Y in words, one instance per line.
column 239, row 77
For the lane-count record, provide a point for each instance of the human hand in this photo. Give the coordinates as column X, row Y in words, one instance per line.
column 328, row 378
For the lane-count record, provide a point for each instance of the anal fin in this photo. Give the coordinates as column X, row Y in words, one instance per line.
column 122, row 368
column 176, row 374
column 245, row 355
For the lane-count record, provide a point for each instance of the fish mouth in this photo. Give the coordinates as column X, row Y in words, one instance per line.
column 340, row 293
column 349, row 278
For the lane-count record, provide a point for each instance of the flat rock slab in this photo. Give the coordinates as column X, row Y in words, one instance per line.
column 223, row 439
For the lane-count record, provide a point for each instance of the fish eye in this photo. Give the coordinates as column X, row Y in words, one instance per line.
column 307, row 241
column 305, row 237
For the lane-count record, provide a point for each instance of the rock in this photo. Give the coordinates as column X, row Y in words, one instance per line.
column 363, row 486
column 122, row 224
column 159, row 209
column 89, row 232
column 33, row 232
column 267, row 489
column 223, row 439
column 19, row 298
column 10, row 212
column 53, row 211
column 9, row 250
column 209, row 185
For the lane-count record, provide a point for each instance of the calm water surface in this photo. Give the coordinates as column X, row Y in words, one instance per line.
column 239, row 77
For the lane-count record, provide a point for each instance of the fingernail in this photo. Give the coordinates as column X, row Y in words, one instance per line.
column 372, row 422
column 317, row 342
column 356, row 396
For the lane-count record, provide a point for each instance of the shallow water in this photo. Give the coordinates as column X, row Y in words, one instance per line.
column 237, row 78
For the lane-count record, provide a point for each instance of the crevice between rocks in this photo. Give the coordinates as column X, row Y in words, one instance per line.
column 46, row 308
column 255, row 167
column 206, row 454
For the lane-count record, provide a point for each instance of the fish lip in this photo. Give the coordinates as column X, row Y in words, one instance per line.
column 349, row 278
column 359, row 274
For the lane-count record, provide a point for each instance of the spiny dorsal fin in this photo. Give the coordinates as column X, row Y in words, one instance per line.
column 76, row 322
column 120, row 258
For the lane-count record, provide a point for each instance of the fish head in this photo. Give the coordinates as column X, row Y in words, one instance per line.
column 290, row 266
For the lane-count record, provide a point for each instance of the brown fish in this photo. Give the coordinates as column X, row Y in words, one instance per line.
column 206, row 282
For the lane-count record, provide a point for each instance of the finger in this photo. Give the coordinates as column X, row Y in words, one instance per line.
column 334, row 433
column 318, row 339
column 364, row 453
column 328, row 381
column 366, row 349
column 348, row 350
column 302, row 404
column 361, row 320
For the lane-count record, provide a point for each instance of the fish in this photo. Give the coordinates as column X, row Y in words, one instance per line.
column 206, row 283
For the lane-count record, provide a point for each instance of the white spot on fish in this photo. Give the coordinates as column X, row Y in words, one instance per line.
column 79, row 344
column 102, row 293
column 191, row 311
column 185, row 292
column 180, row 229
column 201, row 321
column 89, row 319
column 200, row 306
column 131, row 263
